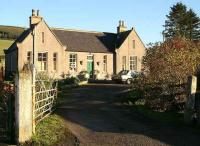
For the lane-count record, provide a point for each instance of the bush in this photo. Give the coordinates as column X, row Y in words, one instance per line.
column 83, row 76
column 172, row 61
column 72, row 80
column 68, row 81
column 167, row 66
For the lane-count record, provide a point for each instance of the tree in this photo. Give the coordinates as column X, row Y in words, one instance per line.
column 172, row 61
column 182, row 22
column 167, row 66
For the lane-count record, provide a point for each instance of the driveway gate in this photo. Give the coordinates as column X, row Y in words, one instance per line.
column 6, row 112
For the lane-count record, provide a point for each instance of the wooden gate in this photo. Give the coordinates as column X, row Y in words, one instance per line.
column 6, row 112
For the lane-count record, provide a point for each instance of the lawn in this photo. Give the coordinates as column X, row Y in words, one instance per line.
column 4, row 44
column 52, row 131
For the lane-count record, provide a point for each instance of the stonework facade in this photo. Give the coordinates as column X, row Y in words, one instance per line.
column 59, row 51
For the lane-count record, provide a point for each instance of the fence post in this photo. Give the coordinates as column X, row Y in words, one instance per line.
column 23, row 106
column 190, row 103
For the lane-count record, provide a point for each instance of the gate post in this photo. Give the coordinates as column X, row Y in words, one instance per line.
column 23, row 106
column 190, row 103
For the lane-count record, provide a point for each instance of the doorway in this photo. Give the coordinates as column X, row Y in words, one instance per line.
column 90, row 65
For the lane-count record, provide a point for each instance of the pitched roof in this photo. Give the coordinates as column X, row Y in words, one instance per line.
column 18, row 40
column 80, row 41
column 121, row 38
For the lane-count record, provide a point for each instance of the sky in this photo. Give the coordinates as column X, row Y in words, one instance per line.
column 146, row 16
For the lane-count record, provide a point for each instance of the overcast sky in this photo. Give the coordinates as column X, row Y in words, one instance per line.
column 147, row 16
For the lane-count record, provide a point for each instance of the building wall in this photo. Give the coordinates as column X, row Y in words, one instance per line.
column 50, row 45
column 126, row 49
column 98, row 63
column 11, row 62
column 16, row 59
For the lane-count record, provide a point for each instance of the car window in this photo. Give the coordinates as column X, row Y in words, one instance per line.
column 123, row 72
column 134, row 73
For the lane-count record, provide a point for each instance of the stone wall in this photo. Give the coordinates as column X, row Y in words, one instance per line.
column 192, row 112
column 126, row 49
column 23, row 106
column 98, row 63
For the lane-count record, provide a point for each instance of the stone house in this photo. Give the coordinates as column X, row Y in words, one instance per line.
column 62, row 51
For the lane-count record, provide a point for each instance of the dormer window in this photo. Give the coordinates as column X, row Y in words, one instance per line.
column 42, row 37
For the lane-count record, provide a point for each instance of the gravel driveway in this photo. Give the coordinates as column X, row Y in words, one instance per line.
column 96, row 121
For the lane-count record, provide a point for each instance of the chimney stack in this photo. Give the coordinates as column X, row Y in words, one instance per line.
column 121, row 27
column 35, row 18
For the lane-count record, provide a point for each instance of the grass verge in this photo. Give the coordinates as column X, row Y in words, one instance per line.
column 4, row 44
column 53, row 131
column 172, row 118
column 138, row 106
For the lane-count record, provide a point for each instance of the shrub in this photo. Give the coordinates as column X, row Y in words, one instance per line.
column 83, row 76
column 68, row 81
column 167, row 66
column 71, row 80
column 172, row 61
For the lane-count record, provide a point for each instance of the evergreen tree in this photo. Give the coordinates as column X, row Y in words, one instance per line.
column 182, row 22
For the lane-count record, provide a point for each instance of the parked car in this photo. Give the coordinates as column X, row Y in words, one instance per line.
column 126, row 76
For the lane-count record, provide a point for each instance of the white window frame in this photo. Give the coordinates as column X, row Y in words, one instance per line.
column 73, row 61
column 42, row 61
column 133, row 62
column 55, row 60
column 90, row 57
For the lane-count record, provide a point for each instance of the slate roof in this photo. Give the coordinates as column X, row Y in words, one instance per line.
column 79, row 41
column 121, row 38
column 19, row 40
column 82, row 41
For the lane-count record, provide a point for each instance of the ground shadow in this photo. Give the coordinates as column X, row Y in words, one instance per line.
column 95, row 107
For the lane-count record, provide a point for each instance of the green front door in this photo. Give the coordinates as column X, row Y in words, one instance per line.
column 90, row 68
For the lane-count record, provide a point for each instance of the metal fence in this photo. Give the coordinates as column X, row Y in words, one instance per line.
column 45, row 98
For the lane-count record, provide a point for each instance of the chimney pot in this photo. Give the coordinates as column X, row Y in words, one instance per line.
column 33, row 12
column 123, row 23
column 38, row 12
column 35, row 18
column 120, row 22
column 121, row 27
